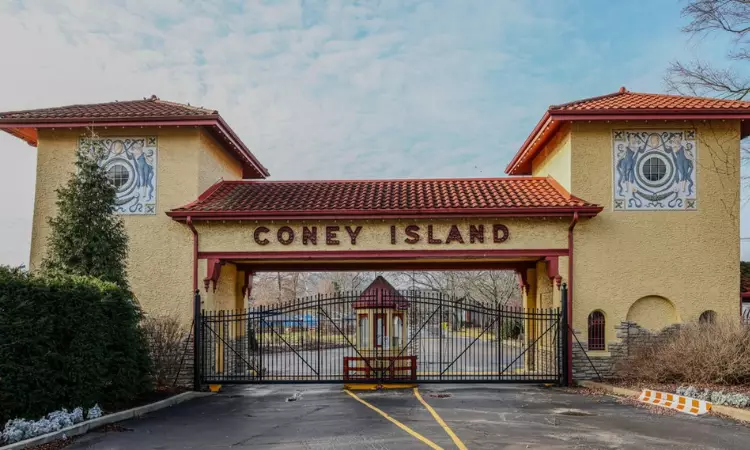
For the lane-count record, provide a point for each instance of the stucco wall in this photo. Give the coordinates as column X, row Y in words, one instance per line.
column 215, row 163
column 690, row 258
column 537, row 233
column 160, row 263
column 544, row 287
column 555, row 159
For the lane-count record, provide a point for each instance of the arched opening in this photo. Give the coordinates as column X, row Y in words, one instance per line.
column 596, row 330
column 707, row 317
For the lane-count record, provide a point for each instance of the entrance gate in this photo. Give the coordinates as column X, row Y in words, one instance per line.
column 379, row 335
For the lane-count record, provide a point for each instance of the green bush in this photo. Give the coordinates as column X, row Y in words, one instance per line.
column 68, row 341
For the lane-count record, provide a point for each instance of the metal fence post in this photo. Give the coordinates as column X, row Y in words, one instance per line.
column 197, row 324
column 564, row 334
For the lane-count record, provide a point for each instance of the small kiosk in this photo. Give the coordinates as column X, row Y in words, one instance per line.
column 381, row 342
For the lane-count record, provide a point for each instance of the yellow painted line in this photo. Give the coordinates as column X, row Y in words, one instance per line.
column 397, row 423
column 440, row 421
column 375, row 387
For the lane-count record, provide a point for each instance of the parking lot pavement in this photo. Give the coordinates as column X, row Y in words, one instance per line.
column 480, row 416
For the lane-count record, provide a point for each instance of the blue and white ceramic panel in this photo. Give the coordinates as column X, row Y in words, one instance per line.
column 654, row 169
column 131, row 164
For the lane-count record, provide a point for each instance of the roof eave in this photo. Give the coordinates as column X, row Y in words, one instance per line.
column 225, row 128
column 584, row 211
column 520, row 164
column 257, row 170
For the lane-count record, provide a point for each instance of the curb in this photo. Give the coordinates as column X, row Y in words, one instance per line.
column 734, row 413
column 609, row 388
column 84, row 427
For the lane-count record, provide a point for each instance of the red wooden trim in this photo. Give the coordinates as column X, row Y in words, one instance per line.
column 551, row 121
column 328, row 266
column 523, row 275
column 247, row 288
column 213, row 272
column 189, row 223
column 235, row 140
column 212, row 121
column 136, row 122
column 357, row 255
column 540, row 126
column 553, row 270
column 583, row 211
column 650, row 114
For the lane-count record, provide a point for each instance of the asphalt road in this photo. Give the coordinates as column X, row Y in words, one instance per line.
column 459, row 355
column 496, row 416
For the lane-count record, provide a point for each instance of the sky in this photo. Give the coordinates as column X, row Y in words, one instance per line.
column 334, row 89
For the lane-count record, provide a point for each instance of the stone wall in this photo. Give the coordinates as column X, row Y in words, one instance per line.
column 602, row 364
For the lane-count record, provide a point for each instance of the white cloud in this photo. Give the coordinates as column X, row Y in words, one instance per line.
column 335, row 89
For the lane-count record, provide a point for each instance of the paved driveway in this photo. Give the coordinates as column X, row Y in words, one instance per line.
column 499, row 416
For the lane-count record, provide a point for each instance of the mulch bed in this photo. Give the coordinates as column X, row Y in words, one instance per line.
column 150, row 397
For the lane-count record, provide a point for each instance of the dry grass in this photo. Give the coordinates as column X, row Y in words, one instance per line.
column 716, row 353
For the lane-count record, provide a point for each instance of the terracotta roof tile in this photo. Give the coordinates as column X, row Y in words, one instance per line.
column 624, row 105
column 268, row 198
column 626, row 100
column 149, row 108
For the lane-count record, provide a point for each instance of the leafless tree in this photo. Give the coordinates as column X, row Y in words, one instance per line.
column 729, row 17
column 731, row 81
column 489, row 287
column 494, row 287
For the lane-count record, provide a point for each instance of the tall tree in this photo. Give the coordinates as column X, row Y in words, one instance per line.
column 87, row 237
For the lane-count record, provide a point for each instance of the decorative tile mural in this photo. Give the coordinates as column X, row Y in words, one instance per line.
column 654, row 169
column 130, row 163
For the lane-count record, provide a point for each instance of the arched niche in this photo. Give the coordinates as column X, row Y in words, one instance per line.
column 653, row 313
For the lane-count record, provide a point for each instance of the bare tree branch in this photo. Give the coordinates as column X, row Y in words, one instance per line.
column 700, row 79
column 732, row 16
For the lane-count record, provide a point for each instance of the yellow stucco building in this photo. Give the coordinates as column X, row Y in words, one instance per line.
column 630, row 199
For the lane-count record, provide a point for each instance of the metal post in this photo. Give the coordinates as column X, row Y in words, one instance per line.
column 197, row 324
column 498, row 335
column 564, row 334
column 320, row 369
column 261, row 368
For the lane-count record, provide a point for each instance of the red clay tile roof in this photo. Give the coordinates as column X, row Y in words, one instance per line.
column 380, row 198
column 148, row 108
column 381, row 294
column 147, row 112
column 624, row 105
column 626, row 100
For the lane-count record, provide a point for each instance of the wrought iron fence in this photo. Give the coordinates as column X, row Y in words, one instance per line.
column 380, row 335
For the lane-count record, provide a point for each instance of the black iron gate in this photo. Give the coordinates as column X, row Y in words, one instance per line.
column 379, row 336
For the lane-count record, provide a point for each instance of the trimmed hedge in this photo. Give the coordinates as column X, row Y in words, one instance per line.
column 68, row 342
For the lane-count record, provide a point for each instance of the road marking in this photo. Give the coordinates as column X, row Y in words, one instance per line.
column 397, row 423
column 440, row 421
